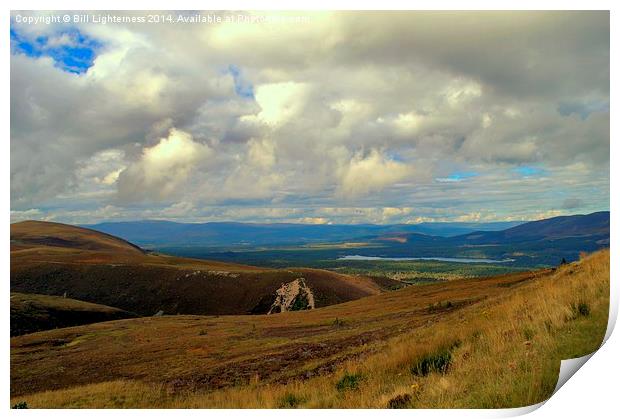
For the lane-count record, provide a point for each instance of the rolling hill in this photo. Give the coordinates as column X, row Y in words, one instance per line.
column 41, row 234
column 57, row 259
column 535, row 243
column 485, row 342
column 557, row 228
column 34, row 312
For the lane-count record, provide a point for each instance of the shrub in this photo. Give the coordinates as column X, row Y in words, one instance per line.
column 435, row 362
column 290, row 401
column 438, row 362
column 402, row 401
column 300, row 303
column 528, row 333
column 20, row 405
column 349, row 382
column 202, row 332
column 583, row 309
column 580, row 309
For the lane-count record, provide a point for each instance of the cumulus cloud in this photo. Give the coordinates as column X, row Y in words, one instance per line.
column 364, row 174
column 261, row 153
column 103, row 167
column 347, row 109
column 28, row 214
column 391, row 212
column 279, row 102
column 162, row 168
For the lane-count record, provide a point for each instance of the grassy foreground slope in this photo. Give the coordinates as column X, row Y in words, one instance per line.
column 54, row 259
column 490, row 342
column 34, row 312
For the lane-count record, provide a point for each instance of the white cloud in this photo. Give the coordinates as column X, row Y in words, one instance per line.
column 102, row 167
column 392, row 212
column 162, row 168
column 261, row 153
column 279, row 102
column 29, row 214
column 364, row 174
column 312, row 220
column 470, row 217
column 409, row 123
column 111, row 177
column 442, row 92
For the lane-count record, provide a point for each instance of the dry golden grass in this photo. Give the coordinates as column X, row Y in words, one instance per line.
column 505, row 349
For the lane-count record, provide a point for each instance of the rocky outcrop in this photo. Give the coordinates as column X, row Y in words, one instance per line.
column 293, row 296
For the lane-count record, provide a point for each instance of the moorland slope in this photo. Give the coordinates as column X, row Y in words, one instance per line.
column 57, row 259
column 34, row 312
column 486, row 342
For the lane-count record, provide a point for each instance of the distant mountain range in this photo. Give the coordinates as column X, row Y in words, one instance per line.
column 557, row 228
column 535, row 243
column 156, row 233
column 544, row 242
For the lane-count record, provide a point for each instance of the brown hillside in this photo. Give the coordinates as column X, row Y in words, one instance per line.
column 33, row 313
column 34, row 234
column 502, row 338
column 54, row 259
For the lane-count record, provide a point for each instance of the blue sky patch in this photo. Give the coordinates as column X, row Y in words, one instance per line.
column 394, row 156
column 458, row 176
column 529, row 171
column 75, row 53
column 243, row 88
column 583, row 109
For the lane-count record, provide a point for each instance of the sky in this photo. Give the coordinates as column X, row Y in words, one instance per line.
column 323, row 117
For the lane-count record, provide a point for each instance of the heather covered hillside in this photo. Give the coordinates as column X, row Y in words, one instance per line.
column 56, row 259
column 399, row 349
